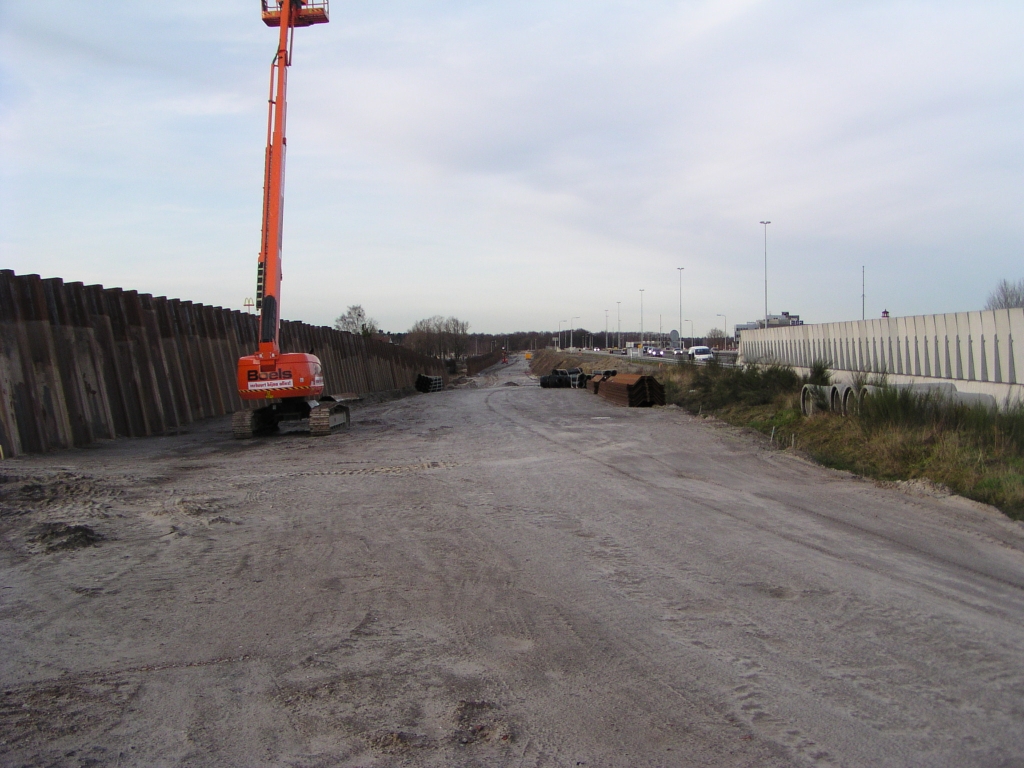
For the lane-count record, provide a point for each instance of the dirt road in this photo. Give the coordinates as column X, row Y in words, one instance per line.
column 499, row 576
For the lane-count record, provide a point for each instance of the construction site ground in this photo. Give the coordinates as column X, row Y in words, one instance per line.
column 499, row 575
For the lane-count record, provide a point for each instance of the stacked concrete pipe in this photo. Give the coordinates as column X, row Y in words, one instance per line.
column 847, row 399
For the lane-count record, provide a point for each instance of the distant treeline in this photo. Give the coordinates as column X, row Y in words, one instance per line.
column 520, row 341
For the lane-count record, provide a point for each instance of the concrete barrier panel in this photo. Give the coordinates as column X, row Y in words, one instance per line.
column 980, row 351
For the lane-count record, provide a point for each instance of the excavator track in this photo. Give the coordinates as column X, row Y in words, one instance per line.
column 243, row 424
column 326, row 417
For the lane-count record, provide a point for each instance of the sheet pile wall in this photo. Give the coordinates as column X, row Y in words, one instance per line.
column 477, row 363
column 79, row 363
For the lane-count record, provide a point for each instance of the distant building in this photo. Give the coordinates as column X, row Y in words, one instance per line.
column 774, row 321
column 746, row 327
column 777, row 321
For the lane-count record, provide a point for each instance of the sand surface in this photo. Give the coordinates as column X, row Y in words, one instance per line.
column 499, row 576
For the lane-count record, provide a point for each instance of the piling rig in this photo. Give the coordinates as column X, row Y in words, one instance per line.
column 290, row 385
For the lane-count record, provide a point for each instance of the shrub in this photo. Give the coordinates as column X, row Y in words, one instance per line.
column 892, row 407
column 820, row 374
column 715, row 387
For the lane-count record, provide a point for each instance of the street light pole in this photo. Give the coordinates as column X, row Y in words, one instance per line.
column 680, row 298
column 606, row 329
column 766, row 223
column 641, row 321
column 571, row 329
column 618, row 315
column 692, row 338
column 725, row 330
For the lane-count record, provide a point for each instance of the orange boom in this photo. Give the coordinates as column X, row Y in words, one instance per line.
column 290, row 384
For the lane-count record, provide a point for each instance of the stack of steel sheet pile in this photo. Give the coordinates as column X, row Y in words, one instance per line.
column 557, row 379
column 426, row 383
column 632, row 390
column 594, row 382
column 561, row 377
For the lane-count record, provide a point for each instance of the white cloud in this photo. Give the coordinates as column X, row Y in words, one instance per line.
column 501, row 161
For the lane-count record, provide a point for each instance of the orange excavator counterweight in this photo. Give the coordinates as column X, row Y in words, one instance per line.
column 290, row 384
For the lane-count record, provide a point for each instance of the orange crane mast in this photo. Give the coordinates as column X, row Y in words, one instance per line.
column 289, row 384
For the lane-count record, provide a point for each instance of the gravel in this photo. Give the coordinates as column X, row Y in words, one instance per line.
column 499, row 576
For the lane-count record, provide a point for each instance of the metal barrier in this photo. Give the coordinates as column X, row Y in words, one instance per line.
column 80, row 363
column 477, row 363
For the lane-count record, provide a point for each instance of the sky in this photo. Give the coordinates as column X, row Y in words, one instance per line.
column 520, row 164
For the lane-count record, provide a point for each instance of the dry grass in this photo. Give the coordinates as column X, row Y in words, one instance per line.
column 988, row 473
column 972, row 452
column 547, row 359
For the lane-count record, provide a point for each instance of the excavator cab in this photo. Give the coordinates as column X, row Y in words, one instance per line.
column 309, row 12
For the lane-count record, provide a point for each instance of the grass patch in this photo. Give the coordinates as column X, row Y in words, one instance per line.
column 898, row 435
column 714, row 387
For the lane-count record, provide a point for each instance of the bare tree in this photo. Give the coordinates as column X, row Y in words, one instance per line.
column 439, row 337
column 356, row 321
column 716, row 336
column 422, row 337
column 1007, row 295
column 456, row 337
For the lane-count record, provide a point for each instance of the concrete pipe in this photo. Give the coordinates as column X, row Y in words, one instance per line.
column 976, row 399
column 864, row 393
column 938, row 388
column 835, row 399
column 814, row 398
column 851, row 402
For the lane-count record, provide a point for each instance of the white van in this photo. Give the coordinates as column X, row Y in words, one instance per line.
column 701, row 354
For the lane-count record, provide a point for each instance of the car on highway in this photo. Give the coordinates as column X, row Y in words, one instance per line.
column 701, row 354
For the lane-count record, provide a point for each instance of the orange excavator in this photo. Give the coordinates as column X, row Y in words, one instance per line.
column 290, row 384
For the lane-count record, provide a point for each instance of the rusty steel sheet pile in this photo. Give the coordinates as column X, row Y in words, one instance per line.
column 593, row 383
column 632, row 390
